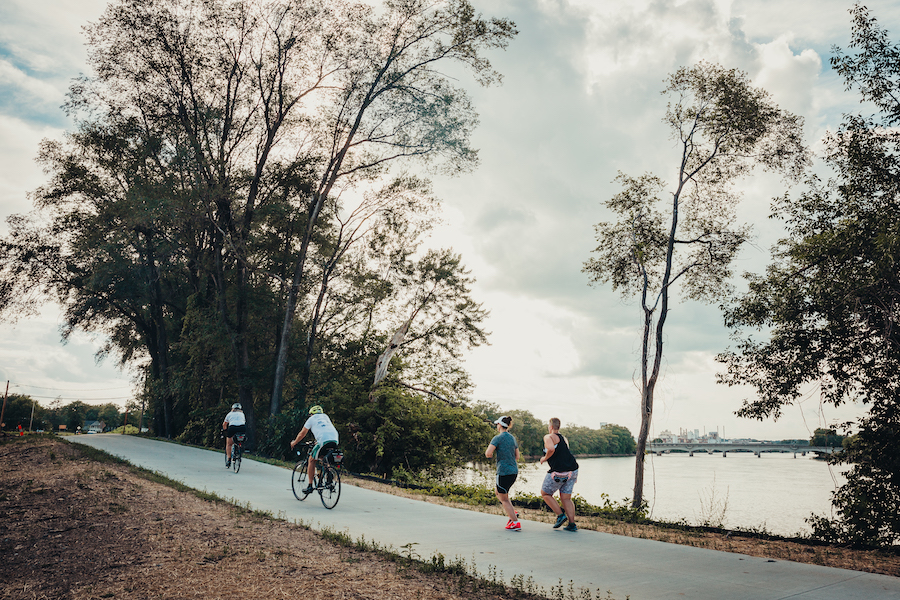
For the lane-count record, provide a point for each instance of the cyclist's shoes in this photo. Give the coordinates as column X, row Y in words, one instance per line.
column 227, row 464
column 560, row 519
column 514, row 526
column 571, row 527
column 308, row 489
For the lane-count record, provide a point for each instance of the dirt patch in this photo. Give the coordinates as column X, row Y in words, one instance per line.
column 73, row 528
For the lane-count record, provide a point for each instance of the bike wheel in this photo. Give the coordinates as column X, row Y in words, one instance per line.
column 330, row 486
column 298, row 481
column 236, row 461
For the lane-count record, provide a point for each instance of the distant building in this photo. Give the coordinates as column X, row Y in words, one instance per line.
column 667, row 437
column 94, row 427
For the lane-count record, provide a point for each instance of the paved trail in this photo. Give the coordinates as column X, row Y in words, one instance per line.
column 636, row 568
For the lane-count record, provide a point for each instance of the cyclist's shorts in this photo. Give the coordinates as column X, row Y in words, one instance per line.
column 233, row 429
column 321, row 446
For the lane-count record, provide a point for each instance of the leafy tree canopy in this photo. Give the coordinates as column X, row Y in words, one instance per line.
column 829, row 304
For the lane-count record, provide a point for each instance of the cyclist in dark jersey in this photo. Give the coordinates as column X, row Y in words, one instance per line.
column 561, row 477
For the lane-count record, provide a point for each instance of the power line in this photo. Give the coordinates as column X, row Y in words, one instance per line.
column 37, row 387
column 81, row 399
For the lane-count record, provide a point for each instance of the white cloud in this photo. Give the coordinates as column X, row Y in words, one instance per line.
column 29, row 89
column 18, row 172
column 35, row 362
column 580, row 101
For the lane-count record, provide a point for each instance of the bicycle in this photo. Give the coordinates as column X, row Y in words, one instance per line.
column 327, row 480
column 237, row 450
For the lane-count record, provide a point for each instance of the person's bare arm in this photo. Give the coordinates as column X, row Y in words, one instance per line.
column 548, row 448
column 490, row 450
column 299, row 437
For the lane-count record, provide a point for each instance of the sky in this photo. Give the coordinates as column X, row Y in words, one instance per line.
column 580, row 101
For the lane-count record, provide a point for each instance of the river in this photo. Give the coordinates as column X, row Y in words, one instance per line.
column 774, row 492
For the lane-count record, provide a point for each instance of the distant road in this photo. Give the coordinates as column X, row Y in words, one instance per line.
column 627, row 567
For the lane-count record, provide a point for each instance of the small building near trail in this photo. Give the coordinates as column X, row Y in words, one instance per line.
column 94, row 427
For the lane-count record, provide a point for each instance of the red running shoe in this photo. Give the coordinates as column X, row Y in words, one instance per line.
column 514, row 526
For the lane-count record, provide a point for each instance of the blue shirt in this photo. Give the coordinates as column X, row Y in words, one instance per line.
column 506, row 446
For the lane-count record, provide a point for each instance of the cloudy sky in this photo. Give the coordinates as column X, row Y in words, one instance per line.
column 580, row 101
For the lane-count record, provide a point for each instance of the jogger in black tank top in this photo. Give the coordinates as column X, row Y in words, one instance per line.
column 562, row 476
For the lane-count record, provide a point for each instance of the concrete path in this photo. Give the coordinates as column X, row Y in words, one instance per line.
column 626, row 567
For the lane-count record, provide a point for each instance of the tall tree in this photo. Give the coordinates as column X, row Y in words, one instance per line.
column 391, row 219
column 829, row 304
column 103, row 246
column 393, row 104
column 227, row 81
column 724, row 128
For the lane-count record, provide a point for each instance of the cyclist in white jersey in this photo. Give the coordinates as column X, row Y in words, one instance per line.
column 235, row 422
column 324, row 432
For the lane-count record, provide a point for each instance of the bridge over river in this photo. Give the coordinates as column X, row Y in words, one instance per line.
column 756, row 448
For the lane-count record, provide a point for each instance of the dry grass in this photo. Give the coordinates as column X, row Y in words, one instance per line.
column 76, row 529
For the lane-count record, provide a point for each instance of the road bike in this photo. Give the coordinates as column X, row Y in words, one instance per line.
column 327, row 480
column 237, row 450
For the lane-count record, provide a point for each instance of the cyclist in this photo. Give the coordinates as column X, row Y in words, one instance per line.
column 324, row 432
column 235, row 422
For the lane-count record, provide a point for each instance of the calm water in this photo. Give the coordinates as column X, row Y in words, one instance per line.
column 775, row 491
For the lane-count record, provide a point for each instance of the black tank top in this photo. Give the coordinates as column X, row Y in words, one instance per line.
column 562, row 459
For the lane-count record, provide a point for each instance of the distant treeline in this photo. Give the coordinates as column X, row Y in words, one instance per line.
column 23, row 410
column 530, row 432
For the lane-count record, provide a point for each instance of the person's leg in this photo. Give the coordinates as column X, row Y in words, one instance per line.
column 311, row 470
column 568, row 506
column 507, row 505
column 551, row 502
column 504, row 484
column 228, row 449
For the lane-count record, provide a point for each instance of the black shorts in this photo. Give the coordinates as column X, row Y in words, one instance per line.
column 233, row 429
column 505, row 482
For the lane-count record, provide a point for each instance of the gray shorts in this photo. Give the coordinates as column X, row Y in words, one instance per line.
column 558, row 482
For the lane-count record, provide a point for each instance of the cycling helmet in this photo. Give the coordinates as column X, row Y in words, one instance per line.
column 236, row 406
column 316, row 410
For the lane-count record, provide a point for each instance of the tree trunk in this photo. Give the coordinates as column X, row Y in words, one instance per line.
column 162, row 339
column 293, row 297
column 648, row 384
column 646, row 414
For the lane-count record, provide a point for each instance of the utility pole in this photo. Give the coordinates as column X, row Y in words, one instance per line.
column 3, row 410
column 31, row 420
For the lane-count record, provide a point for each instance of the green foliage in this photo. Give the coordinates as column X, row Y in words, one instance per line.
column 281, row 429
column 828, row 300
column 18, row 411
column 204, row 427
column 482, row 495
column 405, row 430
column 609, row 439
column 826, row 437
column 530, row 432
